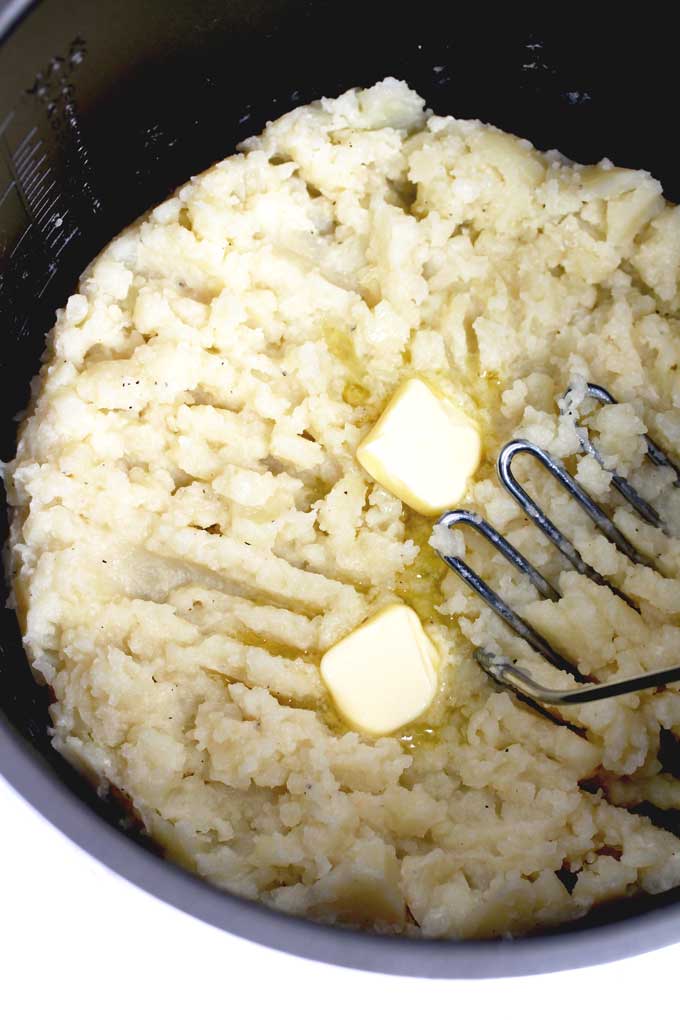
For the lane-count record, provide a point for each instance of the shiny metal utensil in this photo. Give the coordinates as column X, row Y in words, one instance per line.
column 498, row 667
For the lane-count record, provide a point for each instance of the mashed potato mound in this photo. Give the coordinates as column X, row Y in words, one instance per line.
column 191, row 529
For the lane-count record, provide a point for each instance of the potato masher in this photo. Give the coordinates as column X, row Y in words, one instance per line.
column 500, row 668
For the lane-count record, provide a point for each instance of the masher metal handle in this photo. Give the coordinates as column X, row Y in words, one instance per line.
column 510, row 675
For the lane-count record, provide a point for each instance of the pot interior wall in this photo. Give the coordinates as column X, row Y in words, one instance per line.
column 107, row 105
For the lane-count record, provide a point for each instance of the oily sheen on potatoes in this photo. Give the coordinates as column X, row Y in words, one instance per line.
column 192, row 529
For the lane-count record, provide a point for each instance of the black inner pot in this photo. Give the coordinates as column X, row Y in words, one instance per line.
column 106, row 106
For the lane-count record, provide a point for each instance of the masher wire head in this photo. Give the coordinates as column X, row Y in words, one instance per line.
column 502, row 669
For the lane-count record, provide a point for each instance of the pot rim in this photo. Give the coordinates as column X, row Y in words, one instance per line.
column 31, row 776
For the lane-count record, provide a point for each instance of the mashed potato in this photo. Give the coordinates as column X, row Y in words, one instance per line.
column 191, row 529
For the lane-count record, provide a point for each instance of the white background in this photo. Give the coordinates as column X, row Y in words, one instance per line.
column 78, row 942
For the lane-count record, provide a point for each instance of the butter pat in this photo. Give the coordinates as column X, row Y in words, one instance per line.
column 422, row 449
column 384, row 674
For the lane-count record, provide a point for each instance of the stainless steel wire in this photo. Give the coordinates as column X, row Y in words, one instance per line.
column 501, row 669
